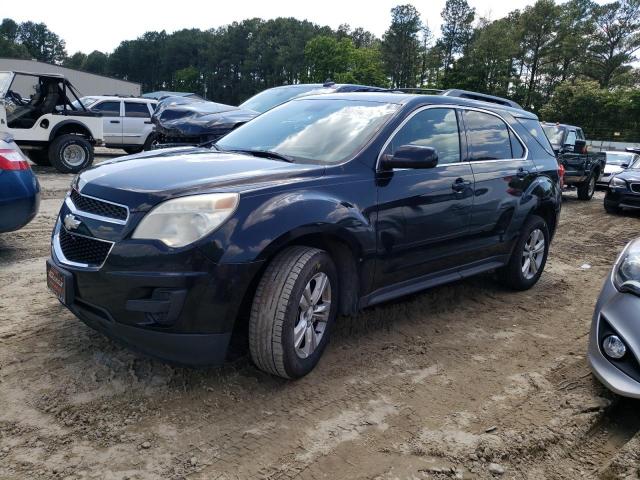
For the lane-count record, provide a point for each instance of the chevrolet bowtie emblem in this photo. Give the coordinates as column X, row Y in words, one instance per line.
column 71, row 222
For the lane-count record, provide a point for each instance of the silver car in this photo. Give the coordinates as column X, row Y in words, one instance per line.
column 616, row 163
column 614, row 345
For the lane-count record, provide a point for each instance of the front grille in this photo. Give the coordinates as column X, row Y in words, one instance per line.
column 635, row 187
column 98, row 207
column 83, row 249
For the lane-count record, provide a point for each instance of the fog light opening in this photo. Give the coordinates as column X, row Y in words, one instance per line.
column 614, row 347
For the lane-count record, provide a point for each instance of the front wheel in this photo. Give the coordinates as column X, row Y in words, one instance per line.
column 611, row 207
column 293, row 311
column 71, row 153
column 588, row 188
column 529, row 256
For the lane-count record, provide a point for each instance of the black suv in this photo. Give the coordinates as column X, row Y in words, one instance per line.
column 321, row 206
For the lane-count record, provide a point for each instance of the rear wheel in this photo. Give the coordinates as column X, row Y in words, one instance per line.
column 528, row 257
column 588, row 188
column 132, row 150
column 71, row 153
column 151, row 142
column 293, row 311
column 39, row 157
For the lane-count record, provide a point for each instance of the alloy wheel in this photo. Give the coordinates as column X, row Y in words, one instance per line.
column 313, row 315
column 533, row 254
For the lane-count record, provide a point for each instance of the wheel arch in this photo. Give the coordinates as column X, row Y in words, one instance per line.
column 548, row 201
column 71, row 127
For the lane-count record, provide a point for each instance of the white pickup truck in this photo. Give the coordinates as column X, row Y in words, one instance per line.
column 43, row 114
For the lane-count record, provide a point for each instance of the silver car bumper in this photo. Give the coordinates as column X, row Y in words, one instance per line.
column 622, row 312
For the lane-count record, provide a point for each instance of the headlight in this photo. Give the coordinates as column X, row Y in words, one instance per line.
column 182, row 221
column 626, row 275
column 618, row 182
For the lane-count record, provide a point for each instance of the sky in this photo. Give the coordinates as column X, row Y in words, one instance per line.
column 103, row 25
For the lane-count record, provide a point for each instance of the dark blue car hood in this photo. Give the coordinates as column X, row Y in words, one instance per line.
column 630, row 175
column 141, row 181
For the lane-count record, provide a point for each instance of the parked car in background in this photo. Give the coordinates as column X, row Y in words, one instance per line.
column 614, row 345
column 126, row 121
column 19, row 187
column 39, row 112
column 322, row 205
column 583, row 169
column 193, row 121
column 616, row 163
column 623, row 191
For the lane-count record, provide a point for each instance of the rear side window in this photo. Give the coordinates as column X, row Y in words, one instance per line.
column 108, row 109
column 488, row 137
column 433, row 127
column 535, row 130
column 139, row 110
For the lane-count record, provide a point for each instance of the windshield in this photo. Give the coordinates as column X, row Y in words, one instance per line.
column 273, row 97
column 614, row 158
column 312, row 130
column 5, row 81
column 636, row 163
column 86, row 101
column 554, row 133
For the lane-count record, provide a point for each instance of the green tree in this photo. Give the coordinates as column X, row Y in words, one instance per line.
column 327, row 56
column 401, row 46
column 75, row 61
column 457, row 20
column 96, row 62
column 41, row 43
column 616, row 39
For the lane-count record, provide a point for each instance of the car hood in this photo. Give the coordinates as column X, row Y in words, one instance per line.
column 189, row 117
column 630, row 175
column 142, row 181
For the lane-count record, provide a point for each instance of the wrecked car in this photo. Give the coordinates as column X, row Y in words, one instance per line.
column 193, row 121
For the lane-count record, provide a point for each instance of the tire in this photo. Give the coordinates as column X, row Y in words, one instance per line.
column 39, row 157
column 70, row 153
column 611, row 207
column 512, row 275
column 276, row 312
column 150, row 142
column 587, row 189
column 132, row 150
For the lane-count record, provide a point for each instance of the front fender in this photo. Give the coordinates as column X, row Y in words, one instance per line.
column 263, row 224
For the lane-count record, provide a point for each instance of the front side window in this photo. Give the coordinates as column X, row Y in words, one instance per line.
column 108, row 109
column 132, row 109
column 433, row 127
column 571, row 138
column 313, row 130
column 488, row 137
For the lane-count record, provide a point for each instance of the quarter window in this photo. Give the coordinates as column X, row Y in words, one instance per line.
column 108, row 109
column 433, row 127
column 489, row 137
column 139, row 110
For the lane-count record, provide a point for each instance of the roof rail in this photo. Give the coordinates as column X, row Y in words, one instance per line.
column 426, row 91
column 483, row 97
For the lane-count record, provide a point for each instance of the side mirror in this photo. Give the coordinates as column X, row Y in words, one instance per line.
column 581, row 146
column 411, row 156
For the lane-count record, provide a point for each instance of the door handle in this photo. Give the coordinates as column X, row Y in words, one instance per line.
column 522, row 173
column 460, row 185
column 114, row 121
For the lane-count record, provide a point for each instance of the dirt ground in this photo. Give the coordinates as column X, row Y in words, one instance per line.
column 465, row 381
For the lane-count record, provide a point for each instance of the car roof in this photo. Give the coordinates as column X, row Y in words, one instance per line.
column 555, row 124
column 117, row 97
column 418, row 100
column 33, row 74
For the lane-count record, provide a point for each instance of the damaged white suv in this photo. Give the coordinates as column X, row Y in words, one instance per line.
column 38, row 112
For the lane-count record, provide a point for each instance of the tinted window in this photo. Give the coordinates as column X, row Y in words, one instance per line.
column 580, row 134
column 313, row 130
column 488, row 136
column 108, row 109
column 517, row 150
column 433, row 127
column 136, row 110
column 535, row 130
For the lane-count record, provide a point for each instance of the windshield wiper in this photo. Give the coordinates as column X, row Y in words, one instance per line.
column 209, row 143
column 264, row 154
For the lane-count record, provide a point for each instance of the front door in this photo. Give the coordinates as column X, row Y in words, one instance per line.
column 136, row 123
column 423, row 214
column 112, row 121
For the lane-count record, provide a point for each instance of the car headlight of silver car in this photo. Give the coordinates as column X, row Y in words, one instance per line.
column 184, row 220
column 618, row 182
column 626, row 275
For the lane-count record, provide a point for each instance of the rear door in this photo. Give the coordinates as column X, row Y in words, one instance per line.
column 111, row 120
column 136, row 123
column 424, row 214
column 502, row 172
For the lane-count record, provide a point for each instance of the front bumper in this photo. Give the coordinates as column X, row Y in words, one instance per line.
column 618, row 313
column 623, row 197
column 179, row 307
